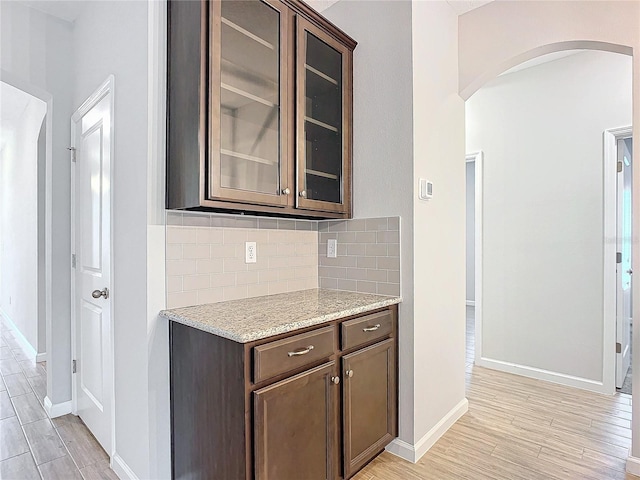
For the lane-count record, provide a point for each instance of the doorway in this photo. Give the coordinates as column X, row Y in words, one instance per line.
column 620, row 144
column 92, row 275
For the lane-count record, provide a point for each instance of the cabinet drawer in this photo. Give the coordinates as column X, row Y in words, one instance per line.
column 365, row 329
column 288, row 354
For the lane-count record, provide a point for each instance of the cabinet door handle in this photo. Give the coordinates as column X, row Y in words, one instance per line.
column 335, row 380
column 349, row 373
column 300, row 351
column 303, row 194
column 371, row 329
column 286, row 191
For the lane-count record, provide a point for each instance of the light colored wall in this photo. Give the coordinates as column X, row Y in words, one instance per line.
column 19, row 213
column 543, row 233
column 42, row 318
column 439, row 155
column 37, row 49
column 110, row 37
column 383, row 147
column 470, row 230
column 206, row 257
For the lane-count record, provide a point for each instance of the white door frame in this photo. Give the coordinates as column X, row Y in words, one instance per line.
column 106, row 88
column 477, row 158
column 610, row 153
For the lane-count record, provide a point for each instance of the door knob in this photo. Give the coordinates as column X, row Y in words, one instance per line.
column 335, row 380
column 286, row 191
column 349, row 373
column 100, row 293
column 303, row 194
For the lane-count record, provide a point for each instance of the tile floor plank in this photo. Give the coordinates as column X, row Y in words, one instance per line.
column 13, row 441
column 44, row 441
column 19, row 467
column 60, row 469
column 28, row 408
column 17, row 384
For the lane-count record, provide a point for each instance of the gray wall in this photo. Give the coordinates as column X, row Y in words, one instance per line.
column 42, row 319
column 383, row 145
column 470, row 235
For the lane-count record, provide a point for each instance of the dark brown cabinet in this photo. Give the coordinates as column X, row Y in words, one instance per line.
column 294, row 426
column 310, row 404
column 369, row 403
column 259, row 109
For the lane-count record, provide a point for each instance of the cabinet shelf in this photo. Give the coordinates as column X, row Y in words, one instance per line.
column 320, row 74
column 248, row 95
column 244, row 156
column 318, row 173
column 247, row 33
column 321, row 124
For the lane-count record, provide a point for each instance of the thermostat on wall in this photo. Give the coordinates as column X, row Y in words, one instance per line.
column 426, row 189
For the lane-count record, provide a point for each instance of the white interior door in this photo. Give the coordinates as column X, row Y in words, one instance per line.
column 93, row 380
column 623, row 268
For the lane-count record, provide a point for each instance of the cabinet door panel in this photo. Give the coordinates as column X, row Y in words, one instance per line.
column 369, row 403
column 323, row 121
column 248, row 102
column 295, row 427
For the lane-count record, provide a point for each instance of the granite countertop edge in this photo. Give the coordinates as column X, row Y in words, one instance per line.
column 260, row 333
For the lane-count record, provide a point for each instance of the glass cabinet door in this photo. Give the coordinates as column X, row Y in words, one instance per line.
column 323, row 121
column 248, row 102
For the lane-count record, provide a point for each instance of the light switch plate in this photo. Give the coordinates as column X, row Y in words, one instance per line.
column 426, row 189
column 332, row 248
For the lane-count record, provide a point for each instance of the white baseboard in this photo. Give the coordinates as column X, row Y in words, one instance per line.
column 20, row 338
column 413, row 453
column 56, row 409
column 121, row 468
column 546, row 375
column 633, row 465
column 471, row 303
column 41, row 357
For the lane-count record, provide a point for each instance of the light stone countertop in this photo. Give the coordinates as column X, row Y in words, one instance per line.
column 256, row 318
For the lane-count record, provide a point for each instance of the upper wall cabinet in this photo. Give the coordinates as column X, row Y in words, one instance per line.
column 259, row 109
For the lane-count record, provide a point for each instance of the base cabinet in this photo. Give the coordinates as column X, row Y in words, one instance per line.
column 294, row 427
column 258, row 411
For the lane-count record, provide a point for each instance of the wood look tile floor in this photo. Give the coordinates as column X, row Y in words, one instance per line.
column 33, row 446
column 522, row 429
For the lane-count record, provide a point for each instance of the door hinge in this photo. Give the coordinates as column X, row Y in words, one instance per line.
column 74, row 367
column 618, row 347
column 618, row 257
column 73, row 260
column 619, row 167
column 73, row 153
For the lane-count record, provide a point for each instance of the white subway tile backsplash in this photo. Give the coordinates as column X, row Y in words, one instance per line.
column 205, row 256
column 368, row 251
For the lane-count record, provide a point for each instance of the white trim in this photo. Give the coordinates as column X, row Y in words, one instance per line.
column 413, row 453
column 633, row 465
column 22, row 340
column 56, row 409
column 610, row 283
column 121, row 468
column 546, row 375
column 41, row 357
column 471, row 303
column 46, row 97
column 106, row 88
column 478, row 158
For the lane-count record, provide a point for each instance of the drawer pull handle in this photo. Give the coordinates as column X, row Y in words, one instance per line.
column 371, row 329
column 300, row 351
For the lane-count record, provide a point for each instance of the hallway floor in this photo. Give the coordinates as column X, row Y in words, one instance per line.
column 522, row 429
column 33, row 446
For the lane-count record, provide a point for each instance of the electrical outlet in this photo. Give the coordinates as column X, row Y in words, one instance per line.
column 250, row 252
column 332, row 248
